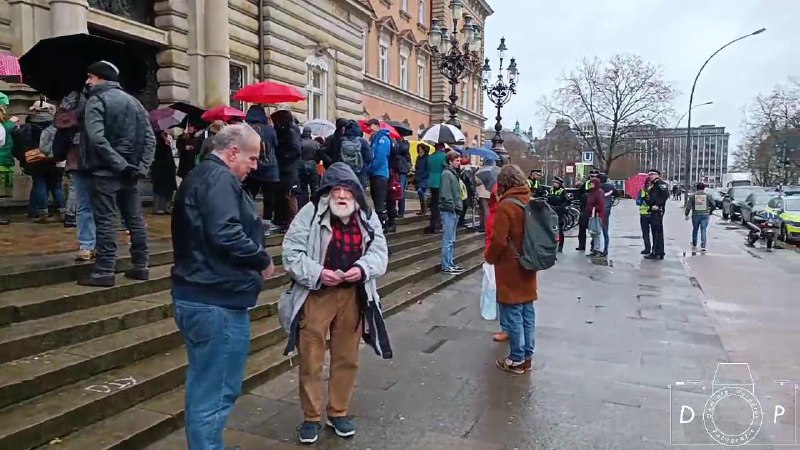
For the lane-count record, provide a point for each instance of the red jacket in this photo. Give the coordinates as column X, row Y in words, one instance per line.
column 596, row 203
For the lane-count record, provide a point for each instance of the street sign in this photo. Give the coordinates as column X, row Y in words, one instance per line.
column 588, row 157
column 570, row 169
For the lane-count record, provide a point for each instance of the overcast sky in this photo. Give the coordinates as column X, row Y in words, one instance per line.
column 549, row 36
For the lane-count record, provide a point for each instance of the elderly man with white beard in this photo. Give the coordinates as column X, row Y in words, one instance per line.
column 334, row 252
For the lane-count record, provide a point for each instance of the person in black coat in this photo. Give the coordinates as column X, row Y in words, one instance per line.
column 400, row 162
column 187, row 153
column 309, row 178
column 288, row 155
column 330, row 149
column 163, row 174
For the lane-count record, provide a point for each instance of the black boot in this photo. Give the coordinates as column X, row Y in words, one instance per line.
column 645, row 251
column 97, row 281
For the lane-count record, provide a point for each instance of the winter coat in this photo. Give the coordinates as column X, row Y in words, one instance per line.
column 436, row 163
column 218, row 262
column 450, row 192
column 596, row 203
column 116, row 133
column 330, row 148
column 421, row 171
column 515, row 284
column 309, row 148
column 288, row 154
column 187, row 153
column 304, row 248
column 401, row 157
column 267, row 170
column 7, row 149
column 163, row 169
column 28, row 137
column 493, row 200
column 353, row 131
column 381, row 145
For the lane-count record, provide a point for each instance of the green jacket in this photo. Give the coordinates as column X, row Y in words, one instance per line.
column 6, row 155
column 699, row 204
column 450, row 192
column 436, row 163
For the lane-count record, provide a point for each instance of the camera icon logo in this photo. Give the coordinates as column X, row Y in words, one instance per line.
column 732, row 415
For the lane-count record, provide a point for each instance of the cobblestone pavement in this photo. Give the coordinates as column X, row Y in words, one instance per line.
column 618, row 348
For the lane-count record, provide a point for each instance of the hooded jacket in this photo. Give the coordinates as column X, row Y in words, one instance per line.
column 381, row 151
column 450, row 192
column 116, row 133
column 330, row 148
column 304, row 248
column 28, row 137
column 596, row 202
column 267, row 170
column 421, row 170
column 288, row 150
column 401, row 157
column 309, row 148
column 352, row 131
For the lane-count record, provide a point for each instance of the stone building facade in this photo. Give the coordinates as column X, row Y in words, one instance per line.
column 201, row 51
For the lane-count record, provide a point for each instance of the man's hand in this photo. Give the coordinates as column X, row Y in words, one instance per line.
column 353, row 275
column 269, row 271
column 654, row 208
column 686, row 218
column 329, row 278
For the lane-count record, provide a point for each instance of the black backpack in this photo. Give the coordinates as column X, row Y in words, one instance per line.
column 540, row 238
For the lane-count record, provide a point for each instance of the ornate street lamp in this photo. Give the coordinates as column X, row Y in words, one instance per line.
column 500, row 92
column 454, row 59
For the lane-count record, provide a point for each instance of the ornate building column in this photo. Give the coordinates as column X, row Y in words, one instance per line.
column 68, row 17
column 217, row 57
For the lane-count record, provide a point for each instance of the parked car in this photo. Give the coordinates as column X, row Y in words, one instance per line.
column 791, row 190
column 787, row 208
column 735, row 197
column 716, row 197
column 755, row 203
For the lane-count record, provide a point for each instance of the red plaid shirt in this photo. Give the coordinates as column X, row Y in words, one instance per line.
column 346, row 244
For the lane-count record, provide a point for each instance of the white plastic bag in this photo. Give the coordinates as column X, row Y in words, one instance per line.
column 488, row 293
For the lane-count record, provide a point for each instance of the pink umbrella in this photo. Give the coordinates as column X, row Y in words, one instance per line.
column 223, row 113
column 9, row 66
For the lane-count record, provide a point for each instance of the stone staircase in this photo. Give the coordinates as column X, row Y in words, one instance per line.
column 89, row 368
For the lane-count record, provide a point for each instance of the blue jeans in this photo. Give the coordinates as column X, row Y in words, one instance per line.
column 83, row 211
column 449, row 226
column 605, row 230
column 401, row 204
column 217, row 343
column 44, row 185
column 701, row 223
column 519, row 322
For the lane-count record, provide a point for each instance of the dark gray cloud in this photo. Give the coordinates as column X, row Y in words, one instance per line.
column 549, row 36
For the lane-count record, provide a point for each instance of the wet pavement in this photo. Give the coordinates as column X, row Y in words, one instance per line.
column 624, row 352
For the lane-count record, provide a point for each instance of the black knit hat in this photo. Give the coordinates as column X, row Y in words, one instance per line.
column 654, row 172
column 558, row 179
column 104, row 70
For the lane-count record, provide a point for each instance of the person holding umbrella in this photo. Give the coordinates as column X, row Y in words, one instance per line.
column 117, row 148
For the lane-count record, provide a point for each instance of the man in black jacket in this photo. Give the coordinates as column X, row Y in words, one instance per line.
column 400, row 162
column 656, row 199
column 288, row 155
column 219, row 268
column 309, row 178
column 557, row 199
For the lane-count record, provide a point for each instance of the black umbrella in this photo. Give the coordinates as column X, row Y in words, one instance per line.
column 56, row 66
column 401, row 128
column 193, row 113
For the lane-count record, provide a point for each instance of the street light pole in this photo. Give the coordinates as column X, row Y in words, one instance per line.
column 500, row 92
column 688, row 149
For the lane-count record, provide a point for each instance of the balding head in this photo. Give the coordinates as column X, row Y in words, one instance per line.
column 238, row 146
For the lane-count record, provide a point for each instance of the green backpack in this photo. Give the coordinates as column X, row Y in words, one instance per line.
column 540, row 235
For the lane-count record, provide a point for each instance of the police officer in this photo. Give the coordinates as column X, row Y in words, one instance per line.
column 583, row 196
column 644, row 215
column 656, row 200
column 557, row 198
column 535, row 184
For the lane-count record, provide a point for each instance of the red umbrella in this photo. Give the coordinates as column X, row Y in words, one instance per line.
column 223, row 113
column 269, row 92
column 384, row 126
column 9, row 66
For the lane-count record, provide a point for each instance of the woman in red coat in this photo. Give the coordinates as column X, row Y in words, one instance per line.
column 596, row 207
column 501, row 336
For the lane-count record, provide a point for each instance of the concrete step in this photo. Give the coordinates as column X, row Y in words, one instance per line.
column 49, row 300
column 61, row 411
column 110, row 336
column 60, row 268
column 127, row 305
column 145, row 423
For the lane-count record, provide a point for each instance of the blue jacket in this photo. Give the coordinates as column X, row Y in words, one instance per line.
column 381, row 149
column 217, row 239
column 267, row 170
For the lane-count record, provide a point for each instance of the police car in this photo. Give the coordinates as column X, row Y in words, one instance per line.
column 787, row 209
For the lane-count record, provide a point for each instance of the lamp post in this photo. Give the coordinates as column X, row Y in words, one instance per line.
column 454, row 59
column 500, row 92
column 688, row 151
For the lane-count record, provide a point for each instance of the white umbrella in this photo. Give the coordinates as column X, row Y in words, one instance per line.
column 442, row 133
column 321, row 127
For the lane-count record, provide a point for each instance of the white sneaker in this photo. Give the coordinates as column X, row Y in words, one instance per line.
column 694, row 249
column 703, row 250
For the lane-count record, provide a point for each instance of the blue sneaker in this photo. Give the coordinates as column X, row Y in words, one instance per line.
column 308, row 432
column 343, row 426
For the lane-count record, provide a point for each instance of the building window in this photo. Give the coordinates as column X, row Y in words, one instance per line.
column 421, row 77
column 404, row 5
column 404, row 54
column 317, row 92
column 237, row 74
column 421, row 12
column 383, row 62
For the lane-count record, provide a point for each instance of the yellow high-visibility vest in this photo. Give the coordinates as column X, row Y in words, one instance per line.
column 644, row 208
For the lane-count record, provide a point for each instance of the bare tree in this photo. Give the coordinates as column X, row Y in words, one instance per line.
column 606, row 100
